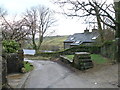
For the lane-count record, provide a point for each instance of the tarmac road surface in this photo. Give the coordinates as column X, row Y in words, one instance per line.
column 49, row 74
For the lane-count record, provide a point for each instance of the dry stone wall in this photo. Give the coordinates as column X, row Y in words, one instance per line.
column 0, row 72
column 11, row 63
column 0, row 59
column 14, row 61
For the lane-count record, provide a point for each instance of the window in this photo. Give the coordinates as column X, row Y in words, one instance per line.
column 94, row 37
column 72, row 38
column 77, row 42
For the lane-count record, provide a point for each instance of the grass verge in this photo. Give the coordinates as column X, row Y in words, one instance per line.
column 37, row 58
column 98, row 59
column 69, row 56
column 28, row 66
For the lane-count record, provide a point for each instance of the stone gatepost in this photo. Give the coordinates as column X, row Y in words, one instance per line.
column 4, row 72
column 82, row 60
column 5, row 85
column 21, row 57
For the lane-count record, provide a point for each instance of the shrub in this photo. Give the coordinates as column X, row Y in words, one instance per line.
column 10, row 46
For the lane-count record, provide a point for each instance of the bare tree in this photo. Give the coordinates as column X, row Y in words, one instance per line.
column 12, row 30
column 91, row 10
column 40, row 20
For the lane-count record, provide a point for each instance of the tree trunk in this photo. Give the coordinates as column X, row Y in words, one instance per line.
column 117, row 13
column 33, row 41
column 37, row 51
column 99, row 25
column 100, row 30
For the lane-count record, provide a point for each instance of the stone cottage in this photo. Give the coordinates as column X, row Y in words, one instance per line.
column 86, row 38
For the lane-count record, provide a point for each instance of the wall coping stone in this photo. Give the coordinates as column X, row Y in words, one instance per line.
column 82, row 53
column 66, row 58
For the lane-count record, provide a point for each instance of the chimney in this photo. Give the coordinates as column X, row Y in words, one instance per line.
column 94, row 30
column 86, row 31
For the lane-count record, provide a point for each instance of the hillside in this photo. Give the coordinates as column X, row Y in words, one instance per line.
column 53, row 43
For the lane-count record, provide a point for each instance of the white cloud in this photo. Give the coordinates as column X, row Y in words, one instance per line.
column 18, row 6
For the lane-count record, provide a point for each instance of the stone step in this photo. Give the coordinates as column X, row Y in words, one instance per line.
column 86, row 65
column 86, row 57
column 82, row 53
column 85, row 60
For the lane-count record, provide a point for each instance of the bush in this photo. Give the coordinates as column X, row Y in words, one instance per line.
column 10, row 46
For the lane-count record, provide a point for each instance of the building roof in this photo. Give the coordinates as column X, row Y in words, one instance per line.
column 79, row 38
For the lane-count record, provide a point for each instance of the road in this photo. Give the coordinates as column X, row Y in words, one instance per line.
column 49, row 74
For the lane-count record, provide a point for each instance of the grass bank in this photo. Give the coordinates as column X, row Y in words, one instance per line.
column 69, row 56
column 98, row 59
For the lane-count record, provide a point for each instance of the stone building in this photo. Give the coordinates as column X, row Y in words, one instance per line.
column 86, row 38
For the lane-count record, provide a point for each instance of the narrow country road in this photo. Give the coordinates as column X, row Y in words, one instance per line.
column 49, row 74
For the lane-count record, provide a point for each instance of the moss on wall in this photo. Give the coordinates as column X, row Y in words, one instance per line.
column 70, row 51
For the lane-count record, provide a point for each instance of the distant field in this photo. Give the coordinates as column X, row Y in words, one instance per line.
column 53, row 43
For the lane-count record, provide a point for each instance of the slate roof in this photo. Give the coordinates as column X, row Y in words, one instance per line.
column 79, row 38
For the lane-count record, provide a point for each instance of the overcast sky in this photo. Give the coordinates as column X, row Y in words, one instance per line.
column 65, row 26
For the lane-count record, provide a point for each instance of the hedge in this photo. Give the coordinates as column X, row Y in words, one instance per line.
column 70, row 51
column 107, row 49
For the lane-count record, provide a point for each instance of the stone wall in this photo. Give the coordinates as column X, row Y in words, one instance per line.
column 5, row 85
column 109, row 50
column 10, row 63
column 81, row 60
column 65, row 60
column 0, row 72
column 14, row 61
column 67, row 45
column 91, row 49
column 70, row 51
column 0, row 59
column 4, row 73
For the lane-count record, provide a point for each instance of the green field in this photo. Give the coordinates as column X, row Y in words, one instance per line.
column 53, row 43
